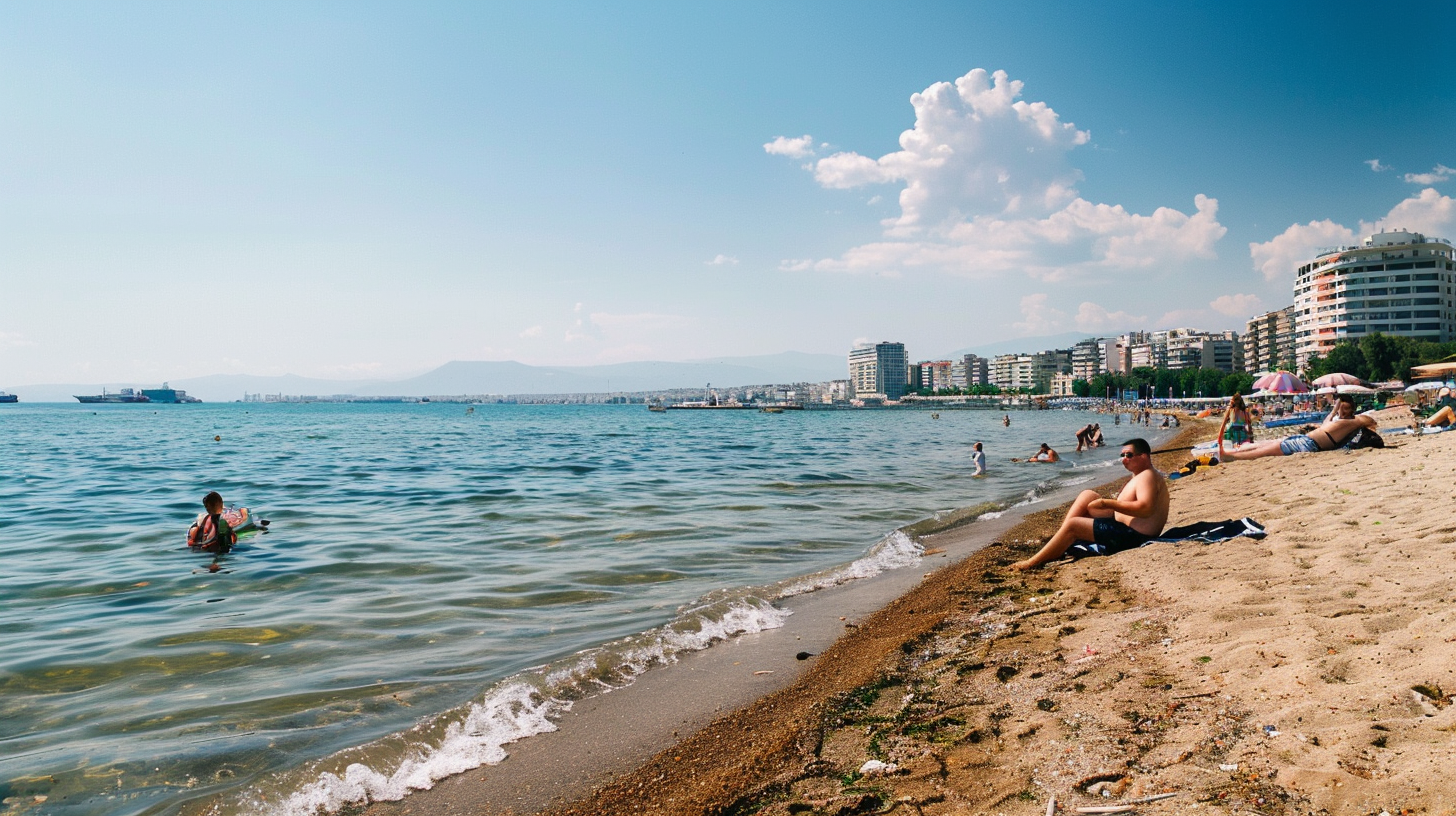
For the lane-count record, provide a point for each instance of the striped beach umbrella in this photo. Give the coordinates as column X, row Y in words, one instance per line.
column 1280, row 382
column 1337, row 380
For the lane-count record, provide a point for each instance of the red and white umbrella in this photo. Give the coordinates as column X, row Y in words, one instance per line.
column 1280, row 382
column 1338, row 379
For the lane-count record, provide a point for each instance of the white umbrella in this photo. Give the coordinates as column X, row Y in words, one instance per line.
column 1354, row 389
column 1427, row 386
column 1329, row 389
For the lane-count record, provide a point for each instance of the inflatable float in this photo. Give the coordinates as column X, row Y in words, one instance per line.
column 237, row 518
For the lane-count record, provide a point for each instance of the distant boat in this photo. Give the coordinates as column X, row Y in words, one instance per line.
column 125, row 395
column 771, row 409
column 6, row 397
column 713, row 402
column 657, row 408
column 165, row 394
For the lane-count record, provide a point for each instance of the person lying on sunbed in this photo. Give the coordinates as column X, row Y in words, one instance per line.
column 1338, row 428
column 1444, row 415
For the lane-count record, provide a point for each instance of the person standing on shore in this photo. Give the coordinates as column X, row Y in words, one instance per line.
column 1129, row 521
column 978, row 460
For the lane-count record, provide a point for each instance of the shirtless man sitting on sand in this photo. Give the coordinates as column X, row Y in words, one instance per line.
column 1136, row 515
column 1337, row 429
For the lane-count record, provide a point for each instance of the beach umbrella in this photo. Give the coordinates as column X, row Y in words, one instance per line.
column 1354, row 389
column 1338, row 379
column 1329, row 389
column 1433, row 385
column 1434, row 370
column 1280, row 382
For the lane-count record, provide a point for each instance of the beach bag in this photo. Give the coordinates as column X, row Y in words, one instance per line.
column 1365, row 438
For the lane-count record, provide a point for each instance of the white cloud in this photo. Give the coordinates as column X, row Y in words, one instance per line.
column 1428, row 212
column 9, row 340
column 1179, row 318
column 534, row 331
column 1037, row 317
column 988, row 189
column 1092, row 317
column 796, row 265
column 722, row 260
column 1277, row 258
column 642, row 322
column 1236, row 305
column 1438, row 174
column 1376, row 166
column 799, row 148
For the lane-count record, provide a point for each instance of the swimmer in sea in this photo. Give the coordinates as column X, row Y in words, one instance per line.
column 211, row 532
column 1044, row 455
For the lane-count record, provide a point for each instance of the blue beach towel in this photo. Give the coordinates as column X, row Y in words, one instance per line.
column 1209, row 532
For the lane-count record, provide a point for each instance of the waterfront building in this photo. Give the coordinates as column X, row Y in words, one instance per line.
column 879, row 370
column 1033, row 371
column 977, row 369
column 1061, row 385
column 1086, row 359
column 935, row 375
column 1394, row 282
column 1269, row 341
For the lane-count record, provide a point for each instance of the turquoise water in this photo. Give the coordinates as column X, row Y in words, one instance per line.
column 430, row 580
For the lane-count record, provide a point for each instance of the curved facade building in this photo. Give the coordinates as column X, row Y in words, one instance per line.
column 1395, row 282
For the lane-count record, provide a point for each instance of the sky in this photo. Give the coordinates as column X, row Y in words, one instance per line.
column 361, row 189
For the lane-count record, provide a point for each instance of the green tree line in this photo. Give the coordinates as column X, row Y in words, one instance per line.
column 1378, row 357
column 1163, row 382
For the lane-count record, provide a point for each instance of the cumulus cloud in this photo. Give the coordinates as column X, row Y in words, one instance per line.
column 799, row 148
column 1236, row 305
column 1376, row 166
column 1427, row 212
column 1037, row 317
column 534, row 331
column 988, row 188
column 1438, row 174
column 9, row 340
column 722, row 260
column 1092, row 317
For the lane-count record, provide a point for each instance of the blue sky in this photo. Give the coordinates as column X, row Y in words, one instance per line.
column 346, row 190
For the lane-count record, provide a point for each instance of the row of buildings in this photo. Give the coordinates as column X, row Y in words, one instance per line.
column 882, row 370
column 1394, row 282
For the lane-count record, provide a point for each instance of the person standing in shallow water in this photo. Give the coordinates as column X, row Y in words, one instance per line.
column 978, row 459
column 1137, row 514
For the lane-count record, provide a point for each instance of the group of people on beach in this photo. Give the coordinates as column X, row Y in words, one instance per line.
column 1140, row 511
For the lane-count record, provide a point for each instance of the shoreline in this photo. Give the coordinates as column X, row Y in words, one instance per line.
column 1308, row 672
column 607, row 737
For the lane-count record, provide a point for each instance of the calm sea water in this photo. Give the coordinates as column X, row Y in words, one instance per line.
column 435, row 583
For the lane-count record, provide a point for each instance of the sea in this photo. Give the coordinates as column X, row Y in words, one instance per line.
column 436, row 580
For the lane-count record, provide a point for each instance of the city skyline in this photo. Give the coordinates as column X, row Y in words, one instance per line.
column 370, row 191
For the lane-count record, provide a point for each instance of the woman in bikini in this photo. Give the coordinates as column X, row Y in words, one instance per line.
column 1237, row 426
column 1337, row 429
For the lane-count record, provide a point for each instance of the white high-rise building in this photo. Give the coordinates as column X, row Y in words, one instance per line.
column 1395, row 282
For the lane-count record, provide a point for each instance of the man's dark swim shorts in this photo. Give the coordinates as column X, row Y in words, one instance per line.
column 1111, row 536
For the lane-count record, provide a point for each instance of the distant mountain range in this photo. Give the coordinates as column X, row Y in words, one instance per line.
column 1024, row 345
column 480, row 377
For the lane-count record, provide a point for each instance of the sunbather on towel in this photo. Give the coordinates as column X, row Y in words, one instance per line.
column 1444, row 415
column 1136, row 515
column 1337, row 429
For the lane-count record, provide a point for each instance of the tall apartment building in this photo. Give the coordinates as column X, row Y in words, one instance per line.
column 879, row 370
column 1034, row 371
column 977, row 369
column 1269, row 341
column 1087, row 359
column 935, row 375
column 1394, row 282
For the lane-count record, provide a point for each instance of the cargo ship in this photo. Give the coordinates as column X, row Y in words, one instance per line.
column 126, row 395
column 7, row 397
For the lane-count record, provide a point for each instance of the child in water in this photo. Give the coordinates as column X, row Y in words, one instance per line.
column 211, row 532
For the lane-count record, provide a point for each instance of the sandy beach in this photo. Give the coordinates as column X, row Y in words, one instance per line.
column 1307, row 672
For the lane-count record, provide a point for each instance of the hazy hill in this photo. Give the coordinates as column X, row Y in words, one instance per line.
column 502, row 377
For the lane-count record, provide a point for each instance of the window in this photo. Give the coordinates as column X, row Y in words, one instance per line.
column 1379, row 279
column 1400, row 278
column 1398, row 266
column 1380, row 328
column 1380, row 291
column 1435, row 301
column 1428, row 314
column 1355, row 329
column 1428, row 288
column 1400, row 327
column 1425, row 276
column 1400, row 290
column 1378, row 316
column 1428, row 327
column 1425, row 264
column 1400, row 315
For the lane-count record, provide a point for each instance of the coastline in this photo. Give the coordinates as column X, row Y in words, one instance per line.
column 1304, row 673
column 613, row 736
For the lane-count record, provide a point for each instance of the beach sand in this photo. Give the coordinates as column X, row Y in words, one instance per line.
column 1304, row 673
